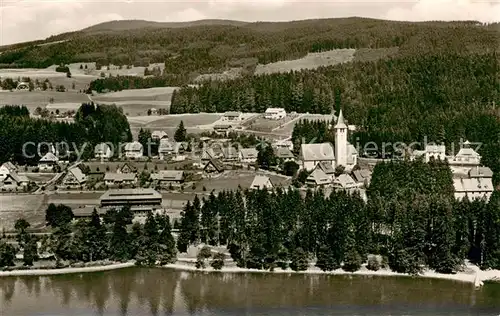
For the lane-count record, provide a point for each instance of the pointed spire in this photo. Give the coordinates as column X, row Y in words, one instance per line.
column 340, row 121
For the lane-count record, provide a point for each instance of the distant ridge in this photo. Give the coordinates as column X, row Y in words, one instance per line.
column 124, row 25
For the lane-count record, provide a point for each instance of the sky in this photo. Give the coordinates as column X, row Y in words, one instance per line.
column 25, row 20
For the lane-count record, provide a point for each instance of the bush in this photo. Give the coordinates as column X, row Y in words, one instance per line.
column 352, row 261
column 373, row 263
column 218, row 261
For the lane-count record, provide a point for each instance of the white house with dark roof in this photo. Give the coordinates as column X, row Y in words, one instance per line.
column 327, row 169
column 74, row 177
column 275, row 113
column 48, row 162
column 312, row 154
column 261, row 182
column 168, row 148
column 284, row 154
column 103, row 151
column 248, row 155
column 134, row 150
column 477, row 184
column 232, row 116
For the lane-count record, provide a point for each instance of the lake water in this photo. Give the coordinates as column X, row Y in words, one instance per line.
column 143, row 292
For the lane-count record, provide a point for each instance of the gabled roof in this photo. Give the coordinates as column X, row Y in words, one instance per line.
column 230, row 152
column 340, row 121
column 102, row 148
column 132, row 168
column 317, row 152
column 159, row 135
column 9, row 166
column 130, row 194
column 326, row 167
column 77, row 174
column 283, row 153
column 344, row 181
column 362, row 175
column 249, row 153
column 168, row 175
column 467, row 153
column 261, row 182
column 17, row 178
column 169, row 146
column 133, row 146
column 211, row 153
column 469, row 185
column 118, row 177
column 49, row 157
column 319, row 177
column 215, row 163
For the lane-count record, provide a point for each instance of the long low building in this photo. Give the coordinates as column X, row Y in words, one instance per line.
column 139, row 200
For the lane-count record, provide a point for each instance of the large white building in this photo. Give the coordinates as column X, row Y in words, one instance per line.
column 477, row 184
column 345, row 153
column 312, row 154
column 275, row 113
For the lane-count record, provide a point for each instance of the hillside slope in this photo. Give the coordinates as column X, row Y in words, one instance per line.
column 205, row 48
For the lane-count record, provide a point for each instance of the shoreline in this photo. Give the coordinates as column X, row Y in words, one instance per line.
column 42, row 272
column 476, row 277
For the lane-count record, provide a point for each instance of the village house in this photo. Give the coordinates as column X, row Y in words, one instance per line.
column 158, row 135
column 345, row 182
column 126, row 168
column 284, row 143
column 312, row 154
column 103, row 151
column 318, row 178
column 362, row 177
column 23, row 86
column 327, row 169
column 153, row 111
column 232, row 116
column 213, row 152
column 168, row 148
column 48, row 162
column 166, row 178
column 213, row 166
column 248, row 155
column 222, row 129
column 283, row 155
column 74, row 178
column 134, row 150
column 261, row 182
column 229, row 154
column 275, row 113
column 477, row 184
column 13, row 181
column 6, row 169
column 120, row 179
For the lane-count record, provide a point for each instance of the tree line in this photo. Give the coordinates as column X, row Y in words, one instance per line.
column 412, row 222
column 93, row 124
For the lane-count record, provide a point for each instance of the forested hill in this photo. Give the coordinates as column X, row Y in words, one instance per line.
column 209, row 48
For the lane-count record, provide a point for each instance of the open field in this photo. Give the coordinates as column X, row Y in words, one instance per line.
column 135, row 93
column 311, row 61
column 230, row 180
column 80, row 80
column 168, row 122
column 114, row 70
column 13, row 207
column 287, row 129
column 262, row 124
column 35, row 99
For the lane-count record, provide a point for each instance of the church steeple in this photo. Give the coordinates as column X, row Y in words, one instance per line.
column 340, row 121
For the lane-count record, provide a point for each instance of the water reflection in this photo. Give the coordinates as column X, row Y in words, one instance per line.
column 155, row 292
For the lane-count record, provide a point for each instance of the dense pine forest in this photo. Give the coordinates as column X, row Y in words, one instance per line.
column 410, row 222
column 93, row 124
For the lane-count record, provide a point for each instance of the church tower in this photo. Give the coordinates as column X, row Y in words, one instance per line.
column 340, row 141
